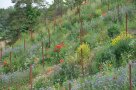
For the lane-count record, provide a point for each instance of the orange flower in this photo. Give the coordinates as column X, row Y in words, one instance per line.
column 61, row 61
column 5, row 63
column 104, row 14
column 49, row 70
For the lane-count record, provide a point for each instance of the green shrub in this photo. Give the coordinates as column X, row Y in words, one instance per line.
column 66, row 25
column 42, row 83
column 121, row 48
column 68, row 71
column 104, row 54
column 93, row 68
column 113, row 31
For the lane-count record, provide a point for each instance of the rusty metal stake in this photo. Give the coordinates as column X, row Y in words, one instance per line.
column 81, row 31
column 118, row 9
column 82, row 63
column 130, row 78
column 69, row 86
column 1, row 54
column 24, row 44
column 42, row 54
column 31, row 34
column 10, row 58
column 108, row 5
column 54, row 23
column 31, row 77
column 126, row 24
column 49, row 37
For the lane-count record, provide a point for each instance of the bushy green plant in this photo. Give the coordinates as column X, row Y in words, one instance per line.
column 113, row 31
column 68, row 71
column 121, row 48
column 66, row 25
column 104, row 54
column 42, row 83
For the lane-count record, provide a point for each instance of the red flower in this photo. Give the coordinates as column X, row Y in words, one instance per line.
column 61, row 61
column 58, row 47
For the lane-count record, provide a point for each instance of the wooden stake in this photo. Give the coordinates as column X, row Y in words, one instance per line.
column 126, row 24
column 81, row 31
column 49, row 37
column 82, row 64
column 69, row 86
column 10, row 57
column 81, row 23
column 118, row 11
column 42, row 54
column 54, row 23
column 24, row 44
column 130, row 79
column 79, row 12
column 1, row 54
column 31, row 34
column 108, row 6
column 31, row 77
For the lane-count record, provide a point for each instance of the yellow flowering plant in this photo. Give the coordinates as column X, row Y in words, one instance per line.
column 85, row 50
column 120, row 37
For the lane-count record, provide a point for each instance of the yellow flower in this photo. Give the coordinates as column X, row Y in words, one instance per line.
column 120, row 37
column 84, row 47
column 110, row 65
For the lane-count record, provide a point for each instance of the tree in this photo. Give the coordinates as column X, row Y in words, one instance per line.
column 24, row 17
column 70, row 3
column 4, row 28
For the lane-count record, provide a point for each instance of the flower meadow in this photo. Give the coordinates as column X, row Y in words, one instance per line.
column 72, row 45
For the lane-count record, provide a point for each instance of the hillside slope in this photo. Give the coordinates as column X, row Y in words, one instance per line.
column 98, row 31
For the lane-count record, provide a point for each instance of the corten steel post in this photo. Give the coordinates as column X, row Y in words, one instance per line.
column 118, row 11
column 81, row 23
column 108, row 5
column 31, row 34
column 81, row 30
column 130, row 77
column 78, row 10
column 1, row 54
column 54, row 22
column 82, row 63
column 10, row 57
column 42, row 54
column 126, row 24
column 10, row 81
column 30, row 77
column 61, row 9
column 49, row 37
column 69, row 86
column 24, row 44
